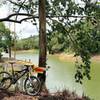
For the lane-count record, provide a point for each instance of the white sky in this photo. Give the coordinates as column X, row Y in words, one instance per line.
column 23, row 30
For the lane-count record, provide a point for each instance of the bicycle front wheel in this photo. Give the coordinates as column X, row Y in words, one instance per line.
column 5, row 80
column 32, row 85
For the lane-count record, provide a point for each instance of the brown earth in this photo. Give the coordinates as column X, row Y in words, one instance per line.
column 65, row 95
column 6, row 95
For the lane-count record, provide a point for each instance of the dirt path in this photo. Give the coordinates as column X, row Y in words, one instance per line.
column 5, row 95
column 65, row 95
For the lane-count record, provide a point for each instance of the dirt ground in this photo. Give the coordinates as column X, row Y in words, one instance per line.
column 5, row 95
column 64, row 95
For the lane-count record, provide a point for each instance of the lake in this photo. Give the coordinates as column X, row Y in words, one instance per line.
column 61, row 76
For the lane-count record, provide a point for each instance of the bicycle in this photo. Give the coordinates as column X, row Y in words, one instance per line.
column 32, row 84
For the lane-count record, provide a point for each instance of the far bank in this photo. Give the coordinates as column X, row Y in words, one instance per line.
column 61, row 56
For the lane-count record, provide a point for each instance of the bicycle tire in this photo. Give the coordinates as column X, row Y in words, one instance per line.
column 5, row 77
column 33, row 83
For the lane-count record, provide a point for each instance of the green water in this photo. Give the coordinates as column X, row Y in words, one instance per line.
column 61, row 76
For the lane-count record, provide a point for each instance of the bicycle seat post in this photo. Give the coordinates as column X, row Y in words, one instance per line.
column 12, row 63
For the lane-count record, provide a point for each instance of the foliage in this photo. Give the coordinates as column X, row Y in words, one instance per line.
column 1, row 43
column 2, row 28
column 57, row 43
column 6, row 38
column 9, row 39
column 81, row 33
column 27, row 43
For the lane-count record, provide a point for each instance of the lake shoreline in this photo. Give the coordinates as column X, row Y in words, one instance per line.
column 62, row 56
column 71, row 57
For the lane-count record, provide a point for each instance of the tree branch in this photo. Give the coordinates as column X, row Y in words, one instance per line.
column 30, row 16
column 8, row 18
column 19, row 14
column 15, row 3
column 20, row 8
column 26, row 19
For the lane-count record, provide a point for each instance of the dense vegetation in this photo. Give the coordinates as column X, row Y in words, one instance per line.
column 84, row 32
column 6, row 39
column 27, row 43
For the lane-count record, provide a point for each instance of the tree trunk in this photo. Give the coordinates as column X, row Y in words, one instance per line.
column 0, row 57
column 42, row 39
column 9, row 51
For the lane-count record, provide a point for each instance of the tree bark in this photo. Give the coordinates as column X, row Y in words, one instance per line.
column 42, row 39
column 9, row 51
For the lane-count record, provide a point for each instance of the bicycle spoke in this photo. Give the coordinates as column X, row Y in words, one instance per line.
column 5, row 80
column 32, row 86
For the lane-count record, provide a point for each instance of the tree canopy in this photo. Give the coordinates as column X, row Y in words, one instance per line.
column 6, row 38
column 67, row 21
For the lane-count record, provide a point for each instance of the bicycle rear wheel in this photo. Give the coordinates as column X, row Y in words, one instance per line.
column 5, row 80
column 32, row 85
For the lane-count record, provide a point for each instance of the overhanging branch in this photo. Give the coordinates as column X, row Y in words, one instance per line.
column 20, row 8
column 15, row 3
column 30, row 16
column 8, row 18
column 18, row 14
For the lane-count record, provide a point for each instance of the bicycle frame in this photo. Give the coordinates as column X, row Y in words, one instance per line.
column 15, row 74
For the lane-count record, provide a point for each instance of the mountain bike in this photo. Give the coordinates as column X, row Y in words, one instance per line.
column 32, row 84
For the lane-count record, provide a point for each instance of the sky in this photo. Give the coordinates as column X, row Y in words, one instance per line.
column 23, row 30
